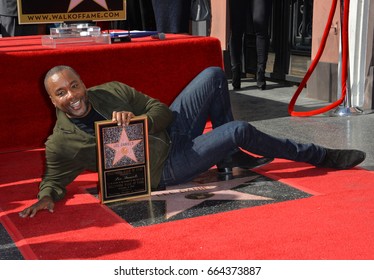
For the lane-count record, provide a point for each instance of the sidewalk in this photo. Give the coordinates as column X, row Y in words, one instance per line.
column 268, row 111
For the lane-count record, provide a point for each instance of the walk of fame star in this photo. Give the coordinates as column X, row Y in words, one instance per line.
column 179, row 200
column 206, row 195
column 124, row 147
column 74, row 3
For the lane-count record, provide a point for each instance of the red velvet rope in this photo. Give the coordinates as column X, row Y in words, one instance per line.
column 316, row 60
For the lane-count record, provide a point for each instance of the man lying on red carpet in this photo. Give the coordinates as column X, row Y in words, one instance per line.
column 179, row 148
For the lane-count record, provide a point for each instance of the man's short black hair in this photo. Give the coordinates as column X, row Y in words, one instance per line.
column 58, row 69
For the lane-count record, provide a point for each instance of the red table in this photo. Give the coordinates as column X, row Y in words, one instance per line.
column 159, row 68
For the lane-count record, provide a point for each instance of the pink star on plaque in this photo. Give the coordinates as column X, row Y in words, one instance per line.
column 74, row 3
column 124, row 147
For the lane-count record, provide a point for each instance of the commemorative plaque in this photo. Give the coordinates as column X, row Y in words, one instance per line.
column 123, row 160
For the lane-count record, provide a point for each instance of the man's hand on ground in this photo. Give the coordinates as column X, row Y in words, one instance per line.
column 45, row 203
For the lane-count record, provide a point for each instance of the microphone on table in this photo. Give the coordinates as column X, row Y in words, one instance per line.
column 159, row 36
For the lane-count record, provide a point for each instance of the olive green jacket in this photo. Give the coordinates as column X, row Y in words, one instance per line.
column 70, row 151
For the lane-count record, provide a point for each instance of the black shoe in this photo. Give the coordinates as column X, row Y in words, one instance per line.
column 261, row 83
column 236, row 76
column 241, row 160
column 342, row 159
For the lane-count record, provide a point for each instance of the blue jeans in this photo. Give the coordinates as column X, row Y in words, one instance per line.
column 205, row 98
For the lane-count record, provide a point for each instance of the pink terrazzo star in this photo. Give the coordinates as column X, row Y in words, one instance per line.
column 177, row 201
column 124, row 148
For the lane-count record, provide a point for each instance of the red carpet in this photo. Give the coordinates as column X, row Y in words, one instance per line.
column 337, row 222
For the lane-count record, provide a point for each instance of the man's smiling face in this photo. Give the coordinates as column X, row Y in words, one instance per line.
column 68, row 93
